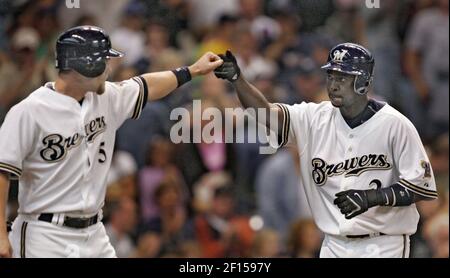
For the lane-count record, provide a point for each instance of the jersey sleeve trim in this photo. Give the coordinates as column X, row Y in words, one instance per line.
column 145, row 90
column 286, row 125
column 140, row 100
column 418, row 190
column 10, row 169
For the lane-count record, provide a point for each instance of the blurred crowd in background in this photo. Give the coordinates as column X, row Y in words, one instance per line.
column 227, row 200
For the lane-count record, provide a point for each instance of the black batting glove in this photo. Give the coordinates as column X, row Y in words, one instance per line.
column 354, row 202
column 229, row 70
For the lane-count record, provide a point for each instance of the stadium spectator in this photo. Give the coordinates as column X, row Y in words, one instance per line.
column 170, row 224
column 304, row 239
column 220, row 38
column 22, row 66
column 220, row 231
column 266, row 244
column 122, row 221
column 128, row 37
column 160, row 168
column 246, row 48
column 436, row 231
column 427, row 64
column 203, row 13
column 346, row 23
column 121, row 179
column 148, row 246
column 281, row 197
column 263, row 28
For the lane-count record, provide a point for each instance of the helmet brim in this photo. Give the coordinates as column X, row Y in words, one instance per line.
column 341, row 68
column 114, row 53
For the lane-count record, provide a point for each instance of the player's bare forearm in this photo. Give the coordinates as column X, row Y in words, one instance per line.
column 5, row 246
column 160, row 84
column 251, row 97
column 4, row 189
column 413, row 70
column 412, row 65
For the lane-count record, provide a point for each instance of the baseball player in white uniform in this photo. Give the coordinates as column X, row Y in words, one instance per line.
column 363, row 165
column 59, row 142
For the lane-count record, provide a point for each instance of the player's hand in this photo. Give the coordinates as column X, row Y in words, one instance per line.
column 229, row 70
column 5, row 247
column 207, row 63
column 352, row 202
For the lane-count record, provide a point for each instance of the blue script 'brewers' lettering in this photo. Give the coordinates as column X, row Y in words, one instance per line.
column 56, row 146
column 94, row 128
column 350, row 167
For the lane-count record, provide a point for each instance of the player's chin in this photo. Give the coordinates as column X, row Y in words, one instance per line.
column 336, row 102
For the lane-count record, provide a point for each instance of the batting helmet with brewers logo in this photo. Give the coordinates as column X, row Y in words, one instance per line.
column 352, row 59
column 85, row 50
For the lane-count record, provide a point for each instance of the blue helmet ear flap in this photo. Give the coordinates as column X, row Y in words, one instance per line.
column 88, row 67
column 362, row 83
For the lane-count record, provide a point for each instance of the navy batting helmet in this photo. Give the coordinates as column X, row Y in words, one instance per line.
column 352, row 59
column 85, row 50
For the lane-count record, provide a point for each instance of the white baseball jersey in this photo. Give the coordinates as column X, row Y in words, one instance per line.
column 61, row 150
column 386, row 149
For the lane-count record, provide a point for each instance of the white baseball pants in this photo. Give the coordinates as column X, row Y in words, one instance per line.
column 31, row 238
column 383, row 246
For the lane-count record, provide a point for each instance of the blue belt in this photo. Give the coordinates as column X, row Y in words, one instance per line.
column 71, row 222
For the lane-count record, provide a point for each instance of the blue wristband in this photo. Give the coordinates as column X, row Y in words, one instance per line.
column 183, row 75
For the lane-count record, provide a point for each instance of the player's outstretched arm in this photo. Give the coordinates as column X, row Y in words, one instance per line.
column 5, row 246
column 249, row 95
column 162, row 83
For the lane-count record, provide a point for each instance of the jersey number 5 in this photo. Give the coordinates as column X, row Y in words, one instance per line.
column 102, row 153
